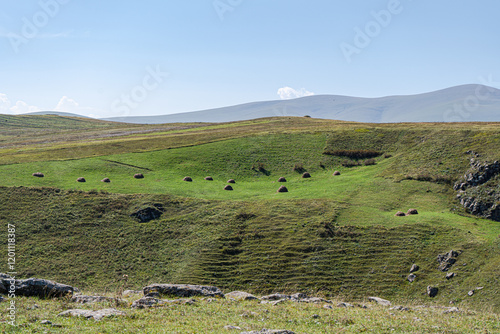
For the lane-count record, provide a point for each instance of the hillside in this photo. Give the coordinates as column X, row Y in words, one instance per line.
column 330, row 235
column 467, row 103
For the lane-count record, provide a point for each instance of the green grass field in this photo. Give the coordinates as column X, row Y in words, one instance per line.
column 335, row 236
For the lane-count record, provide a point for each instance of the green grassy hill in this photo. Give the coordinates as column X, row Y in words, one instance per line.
column 333, row 235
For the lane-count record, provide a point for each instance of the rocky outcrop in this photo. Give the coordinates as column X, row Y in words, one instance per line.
column 477, row 189
column 35, row 287
column 447, row 260
column 183, row 290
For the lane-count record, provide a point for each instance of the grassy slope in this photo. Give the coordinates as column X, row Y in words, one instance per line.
column 332, row 234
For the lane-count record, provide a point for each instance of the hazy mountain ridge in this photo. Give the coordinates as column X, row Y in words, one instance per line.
column 466, row 103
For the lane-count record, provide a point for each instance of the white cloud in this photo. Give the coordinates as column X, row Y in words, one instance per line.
column 67, row 105
column 22, row 107
column 287, row 93
column 4, row 104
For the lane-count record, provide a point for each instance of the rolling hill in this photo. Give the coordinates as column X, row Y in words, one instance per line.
column 333, row 235
column 466, row 103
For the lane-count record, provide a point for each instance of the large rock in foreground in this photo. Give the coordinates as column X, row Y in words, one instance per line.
column 183, row 290
column 35, row 287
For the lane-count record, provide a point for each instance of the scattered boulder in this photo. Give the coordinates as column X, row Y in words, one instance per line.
column 411, row 278
column 231, row 181
column 42, row 288
column 187, row 179
column 88, row 314
column 432, row 291
column 306, row 175
column 412, row 212
column 146, row 302
column 281, row 179
column 240, row 295
column 183, row 290
column 228, row 187
column 336, row 173
column 414, row 268
column 380, row 301
column 450, row 275
column 447, row 260
column 138, row 176
column 38, row 174
column 149, row 213
column 471, row 293
column 209, row 178
column 275, row 296
column 400, row 214
column 283, row 189
column 106, row 180
column 81, row 179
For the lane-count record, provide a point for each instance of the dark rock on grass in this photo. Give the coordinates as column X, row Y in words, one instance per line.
column 447, row 260
column 283, row 189
column 183, row 290
column 187, row 179
column 336, row 173
column 209, row 178
column 240, row 295
column 35, row 287
column 88, row 314
column 38, row 174
column 228, row 187
column 138, row 176
column 148, row 214
column 281, row 179
column 106, row 180
column 411, row 278
column 432, row 291
column 450, row 275
column 412, row 212
column 306, row 175
column 414, row 268
column 400, row 214
column 81, row 179
column 231, row 181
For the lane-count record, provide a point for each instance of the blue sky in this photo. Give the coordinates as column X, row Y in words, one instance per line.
column 152, row 57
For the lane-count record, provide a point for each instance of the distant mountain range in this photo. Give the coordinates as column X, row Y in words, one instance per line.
column 466, row 103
